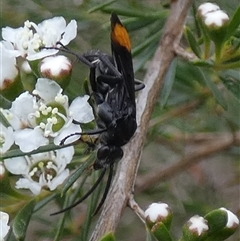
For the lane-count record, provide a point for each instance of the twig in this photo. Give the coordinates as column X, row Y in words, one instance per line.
column 175, row 112
column 219, row 143
column 184, row 54
column 134, row 206
column 123, row 182
column 203, row 137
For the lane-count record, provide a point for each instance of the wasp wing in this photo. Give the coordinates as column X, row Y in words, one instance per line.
column 121, row 51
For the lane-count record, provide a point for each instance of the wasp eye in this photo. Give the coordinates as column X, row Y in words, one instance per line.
column 103, row 152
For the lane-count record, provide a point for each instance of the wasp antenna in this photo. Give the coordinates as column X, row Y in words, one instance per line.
column 66, row 137
column 95, row 185
column 109, row 180
column 119, row 34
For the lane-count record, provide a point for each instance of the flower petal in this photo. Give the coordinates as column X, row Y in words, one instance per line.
column 47, row 89
column 43, row 53
column 4, row 227
column 65, row 156
column 65, row 132
column 16, row 165
column 25, row 183
column 58, row 180
column 7, row 139
column 9, row 71
column 70, row 32
column 13, row 120
column 22, row 106
column 30, row 139
column 81, row 110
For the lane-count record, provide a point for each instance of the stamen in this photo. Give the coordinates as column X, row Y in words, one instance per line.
column 55, row 111
column 54, row 120
column 61, row 99
column 42, row 125
column 49, row 165
column 37, row 114
column 49, row 109
column 49, row 177
column 34, row 170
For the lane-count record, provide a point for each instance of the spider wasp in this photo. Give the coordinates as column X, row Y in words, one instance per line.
column 113, row 89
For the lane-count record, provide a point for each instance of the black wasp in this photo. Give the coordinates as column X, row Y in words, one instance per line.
column 113, row 89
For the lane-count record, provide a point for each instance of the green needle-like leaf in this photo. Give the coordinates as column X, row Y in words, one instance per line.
column 234, row 23
column 193, row 42
column 212, row 86
column 22, row 220
column 160, row 232
column 232, row 84
column 70, row 180
column 168, row 82
column 108, row 237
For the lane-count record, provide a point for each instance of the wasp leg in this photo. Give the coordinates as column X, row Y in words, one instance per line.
column 110, row 80
column 106, row 64
column 139, row 85
column 95, row 185
column 106, row 190
column 92, row 132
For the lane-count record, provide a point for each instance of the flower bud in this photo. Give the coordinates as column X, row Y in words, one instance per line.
column 231, row 225
column 205, row 8
column 214, row 23
column 232, row 221
column 195, row 229
column 216, row 19
column 158, row 212
column 222, row 224
column 58, row 68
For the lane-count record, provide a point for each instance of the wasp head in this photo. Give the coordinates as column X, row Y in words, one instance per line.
column 107, row 155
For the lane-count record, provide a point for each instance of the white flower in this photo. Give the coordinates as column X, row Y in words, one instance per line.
column 28, row 137
column 198, row 224
column 233, row 221
column 6, row 138
column 28, row 39
column 59, row 31
column 46, row 114
column 157, row 211
column 9, row 71
column 4, row 227
column 54, row 115
column 42, row 170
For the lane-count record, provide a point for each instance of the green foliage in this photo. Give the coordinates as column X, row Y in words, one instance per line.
column 22, row 220
column 108, row 237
